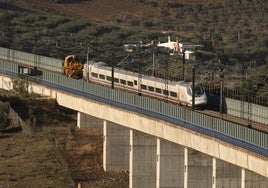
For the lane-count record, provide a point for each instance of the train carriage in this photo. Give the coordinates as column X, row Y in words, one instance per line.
column 177, row 92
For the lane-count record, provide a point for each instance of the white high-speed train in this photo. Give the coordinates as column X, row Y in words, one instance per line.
column 177, row 92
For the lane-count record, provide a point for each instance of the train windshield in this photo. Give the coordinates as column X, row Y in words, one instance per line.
column 73, row 59
column 198, row 90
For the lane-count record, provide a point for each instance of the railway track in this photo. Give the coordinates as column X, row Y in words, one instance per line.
column 241, row 121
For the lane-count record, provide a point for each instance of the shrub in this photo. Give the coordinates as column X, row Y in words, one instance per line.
column 4, row 115
column 72, row 26
column 20, row 87
column 148, row 24
column 53, row 22
column 118, row 20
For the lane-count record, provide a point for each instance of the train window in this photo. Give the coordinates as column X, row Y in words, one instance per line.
column 173, row 94
column 116, row 80
column 94, row 74
column 150, row 88
column 129, row 83
column 158, row 90
column 135, row 82
column 109, row 78
column 123, row 82
column 102, row 76
column 198, row 90
column 165, row 92
column 144, row 87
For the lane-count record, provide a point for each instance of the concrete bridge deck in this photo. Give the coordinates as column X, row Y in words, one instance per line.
column 159, row 153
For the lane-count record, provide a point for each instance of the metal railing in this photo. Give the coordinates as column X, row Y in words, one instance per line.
column 212, row 126
column 257, row 113
column 230, row 132
column 31, row 60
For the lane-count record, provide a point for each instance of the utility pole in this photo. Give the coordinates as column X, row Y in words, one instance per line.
column 221, row 94
column 10, row 40
column 112, row 72
column 193, row 89
column 250, row 95
column 166, row 81
column 139, row 82
column 153, row 60
column 183, row 66
column 87, row 71
column 243, row 78
column 212, row 74
column 112, row 75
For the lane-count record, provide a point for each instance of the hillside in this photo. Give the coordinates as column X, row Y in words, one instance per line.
column 233, row 33
column 100, row 11
column 228, row 27
column 56, row 154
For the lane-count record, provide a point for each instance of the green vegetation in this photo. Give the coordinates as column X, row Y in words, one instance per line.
column 20, row 87
column 231, row 31
column 257, row 82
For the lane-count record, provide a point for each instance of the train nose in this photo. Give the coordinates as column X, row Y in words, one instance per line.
column 76, row 65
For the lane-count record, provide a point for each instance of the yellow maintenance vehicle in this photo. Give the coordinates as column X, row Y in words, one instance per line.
column 73, row 66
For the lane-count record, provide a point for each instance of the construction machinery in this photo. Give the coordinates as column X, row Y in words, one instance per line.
column 73, row 67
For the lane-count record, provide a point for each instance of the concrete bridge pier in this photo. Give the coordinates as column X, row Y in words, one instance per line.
column 115, row 147
column 115, row 141
column 142, row 167
column 230, row 166
column 199, row 169
column 170, row 164
column 157, row 162
column 87, row 121
column 228, row 175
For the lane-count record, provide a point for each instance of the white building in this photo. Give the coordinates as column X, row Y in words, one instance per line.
column 176, row 46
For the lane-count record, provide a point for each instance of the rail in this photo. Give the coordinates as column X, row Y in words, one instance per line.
column 242, row 109
column 230, row 132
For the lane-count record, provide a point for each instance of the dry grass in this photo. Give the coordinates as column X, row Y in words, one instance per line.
column 57, row 155
column 102, row 11
column 31, row 162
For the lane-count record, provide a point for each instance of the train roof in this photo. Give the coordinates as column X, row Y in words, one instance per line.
column 100, row 64
column 104, row 66
column 73, row 58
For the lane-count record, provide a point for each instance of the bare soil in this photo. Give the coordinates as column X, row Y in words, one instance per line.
column 57, row 155
column 101, row 11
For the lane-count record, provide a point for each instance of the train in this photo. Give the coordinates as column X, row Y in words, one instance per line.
column 172, row 91
column 73, row 66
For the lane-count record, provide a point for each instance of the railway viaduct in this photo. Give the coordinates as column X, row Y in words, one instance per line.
column 158, row 153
